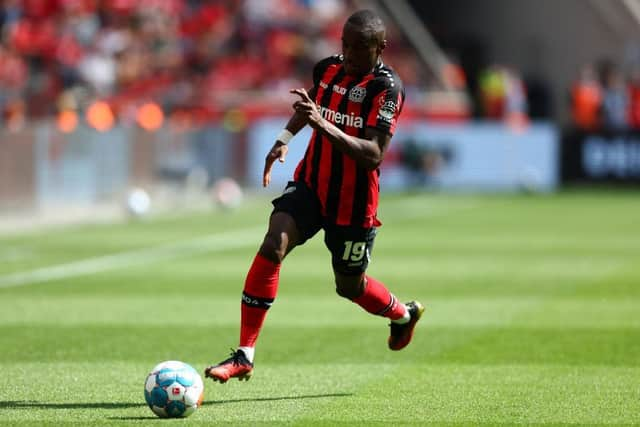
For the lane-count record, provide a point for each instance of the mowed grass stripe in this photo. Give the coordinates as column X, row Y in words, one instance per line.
column 526, row 312
column 354, row 393
column 330, row 344
column 526, row 242
column 282, row 392
column 308, row 272
column 546, row 267
column 540, row 332
column 480, row 394
column 164, row 252
column 169, row 252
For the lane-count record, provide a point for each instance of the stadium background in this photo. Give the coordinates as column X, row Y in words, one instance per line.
column 98, row 97
column 510, row 208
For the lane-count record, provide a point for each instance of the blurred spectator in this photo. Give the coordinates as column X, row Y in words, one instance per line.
column 502, row 93
column 98, row 70
column 615, row 101
column 492, row 93
column 516, row 94
column 13, row 81
column 586, row 99
column 634, row 98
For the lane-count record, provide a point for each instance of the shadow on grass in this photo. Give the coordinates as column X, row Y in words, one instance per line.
column 32, row 404
column 270, row 399
column 251, row 399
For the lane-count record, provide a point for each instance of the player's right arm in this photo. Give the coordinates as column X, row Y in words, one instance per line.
column 297, row 121
column 280, row 149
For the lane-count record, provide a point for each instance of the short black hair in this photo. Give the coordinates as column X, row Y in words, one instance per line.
column 370, row 23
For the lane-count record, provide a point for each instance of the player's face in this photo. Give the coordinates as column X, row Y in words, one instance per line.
column 360, row 50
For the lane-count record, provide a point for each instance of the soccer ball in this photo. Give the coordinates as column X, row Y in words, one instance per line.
column 227, row 193
column 173, row 390
column 138, row 203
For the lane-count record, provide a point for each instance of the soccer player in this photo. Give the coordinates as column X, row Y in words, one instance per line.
column 353, row 108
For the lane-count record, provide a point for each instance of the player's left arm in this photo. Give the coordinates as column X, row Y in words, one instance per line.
column 368, row 152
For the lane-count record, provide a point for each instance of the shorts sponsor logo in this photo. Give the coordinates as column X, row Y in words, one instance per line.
column 357, row 94
column 338, row 118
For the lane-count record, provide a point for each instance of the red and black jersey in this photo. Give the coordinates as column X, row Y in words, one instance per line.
column 347, row 192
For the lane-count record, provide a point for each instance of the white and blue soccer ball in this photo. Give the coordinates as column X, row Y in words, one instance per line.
column 173, row 389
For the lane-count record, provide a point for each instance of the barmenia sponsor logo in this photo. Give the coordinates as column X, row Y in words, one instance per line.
column 340, row 118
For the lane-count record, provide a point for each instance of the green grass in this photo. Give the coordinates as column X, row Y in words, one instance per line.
column 533, row 317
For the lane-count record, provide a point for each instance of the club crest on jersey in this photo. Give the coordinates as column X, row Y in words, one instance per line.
column 357, row 94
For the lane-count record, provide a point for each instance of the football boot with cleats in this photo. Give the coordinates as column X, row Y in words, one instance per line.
column 237, row 366
column 401, row 334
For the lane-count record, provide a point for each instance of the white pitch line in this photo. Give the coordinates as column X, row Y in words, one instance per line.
column 211, row 243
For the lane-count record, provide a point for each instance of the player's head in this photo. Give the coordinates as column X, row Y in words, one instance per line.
column 363, row 40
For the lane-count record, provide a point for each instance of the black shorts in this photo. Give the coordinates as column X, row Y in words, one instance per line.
column 350, row 246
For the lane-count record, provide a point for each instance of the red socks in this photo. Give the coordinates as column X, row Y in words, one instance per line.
column 377, row 300
column 260, row 290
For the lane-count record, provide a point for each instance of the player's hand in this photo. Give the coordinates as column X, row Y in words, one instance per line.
column 307, row 108
column 278, row 151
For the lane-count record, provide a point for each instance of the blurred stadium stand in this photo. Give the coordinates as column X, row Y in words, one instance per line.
column 97, row 96
column 202, row 58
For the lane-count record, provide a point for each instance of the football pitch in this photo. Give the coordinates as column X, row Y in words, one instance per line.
column 533, row 317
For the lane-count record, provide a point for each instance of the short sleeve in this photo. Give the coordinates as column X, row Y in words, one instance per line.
column 386, row 107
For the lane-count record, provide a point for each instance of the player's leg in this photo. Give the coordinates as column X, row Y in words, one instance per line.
column 371, row 295
column 261, row 284
column 350, row 254
column 260, row 289
column 295, row 218
column 374, row 297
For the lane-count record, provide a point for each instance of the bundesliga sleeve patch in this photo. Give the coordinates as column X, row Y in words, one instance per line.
column 387, row 111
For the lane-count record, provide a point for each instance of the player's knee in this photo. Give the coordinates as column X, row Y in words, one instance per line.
column 346, row 292
column 274, row 247
column 351, row 288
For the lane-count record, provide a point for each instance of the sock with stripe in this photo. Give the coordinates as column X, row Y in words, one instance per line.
column 376, row 299
column 260, row 288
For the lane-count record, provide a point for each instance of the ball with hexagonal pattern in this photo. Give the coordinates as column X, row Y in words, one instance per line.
column 173, row 389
